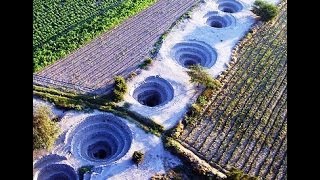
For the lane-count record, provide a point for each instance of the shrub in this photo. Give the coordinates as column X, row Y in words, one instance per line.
column 236, row 174
column 199, row 76
column 178, row 130
column 145, row 63
column 265, row 10
column 137, row 157
column 120, row 88
column 45, row 131
column 202, row 100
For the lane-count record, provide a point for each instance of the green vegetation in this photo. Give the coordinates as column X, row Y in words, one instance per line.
column 177, row 130
column 84, row 169
column 236, row 174
column 60, row 27
column 120, row 88
column 265, row 10
column 137, row 157
column 195, row 168
column 45, row 131
column 72, row 100
column 146, row 63
column 200, row 76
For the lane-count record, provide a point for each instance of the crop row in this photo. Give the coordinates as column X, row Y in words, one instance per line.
column 245, row 125
column 119, row 51
column 49, row 48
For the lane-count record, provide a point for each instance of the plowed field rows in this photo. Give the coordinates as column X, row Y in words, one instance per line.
column 118, row 52
column 245, row 126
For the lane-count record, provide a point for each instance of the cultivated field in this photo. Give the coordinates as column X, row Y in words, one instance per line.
column 61, row 26
column 118, row 52
column 245, row 126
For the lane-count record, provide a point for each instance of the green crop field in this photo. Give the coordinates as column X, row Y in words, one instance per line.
column 245, row 123
column 61, row 26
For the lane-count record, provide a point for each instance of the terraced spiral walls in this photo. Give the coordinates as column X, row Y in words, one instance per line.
column 154, row 91
column 218, row 20
column 230, row 6
column 97, row 140
column 54, row 167
column 188, row 53
column 57, row 172
column 100, row 139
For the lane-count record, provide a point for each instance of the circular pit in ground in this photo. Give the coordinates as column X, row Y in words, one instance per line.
column 216, row 20
column 188, row 53
column 101, row 139
column 57, row 172
column 154, row 91
column 230, row 6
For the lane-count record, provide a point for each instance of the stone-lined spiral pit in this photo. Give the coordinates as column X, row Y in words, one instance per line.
column 57, row 172
column 219, row 20
column 189, row 53
column 154, row 91
column 230, row 6
column 100, row 139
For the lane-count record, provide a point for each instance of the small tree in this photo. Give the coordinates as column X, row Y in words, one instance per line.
column 137, row 157
column 198, row 75
column 120, row 88
column 265, row 10
column 45, row 131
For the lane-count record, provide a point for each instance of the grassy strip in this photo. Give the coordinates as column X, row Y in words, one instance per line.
column 70, row 101
column 100, row 100
column 198, row 166
column 53, row 50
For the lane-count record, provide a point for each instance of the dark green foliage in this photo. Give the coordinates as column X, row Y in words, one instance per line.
column 265, row 10
column 202, row 100
column 45, row 131
column 199, row 76
column 61, row 27
column 120, row 88
column 236, row 174
column 146, row 63
column 137, row 157
column 84, row 169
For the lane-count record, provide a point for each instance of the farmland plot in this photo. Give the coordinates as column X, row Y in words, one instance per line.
column 245, row 125
column 60, row 26
column 118, row 52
